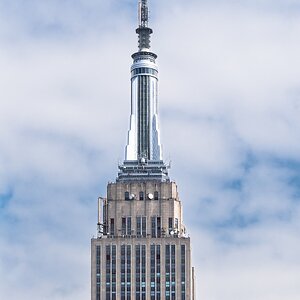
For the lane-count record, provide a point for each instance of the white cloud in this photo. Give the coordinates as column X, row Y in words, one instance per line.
column 229, row 89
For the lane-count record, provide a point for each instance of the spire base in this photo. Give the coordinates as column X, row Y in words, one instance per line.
column 143, row 170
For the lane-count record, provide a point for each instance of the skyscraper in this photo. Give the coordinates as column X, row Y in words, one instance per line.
column 142, row 250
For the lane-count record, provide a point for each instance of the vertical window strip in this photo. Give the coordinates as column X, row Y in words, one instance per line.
column 167, row 271
column 123, row 269
column 152, row 272
column 112, row 227
column 123, row 226
column 158, row 275
column 98, row 272
column 128, row 279
column 158, row 229
column 173, row 271
column 183, row 279
column 114, row 273
column 143, row 272
column 137, row 272
column 128, row 225
column 108, row 272
column 138, row 226
column 153, row 227
column 144, row 228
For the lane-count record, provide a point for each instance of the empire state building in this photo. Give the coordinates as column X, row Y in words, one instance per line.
column 142, row 250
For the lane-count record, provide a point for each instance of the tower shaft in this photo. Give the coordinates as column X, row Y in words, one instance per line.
column 142, row 250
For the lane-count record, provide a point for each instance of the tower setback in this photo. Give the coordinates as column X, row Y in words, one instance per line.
column 142, row 250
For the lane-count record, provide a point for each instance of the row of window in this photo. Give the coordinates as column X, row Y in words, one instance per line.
column 141, row 197
column 141, row 227
column 140, row 272
column 144, row 71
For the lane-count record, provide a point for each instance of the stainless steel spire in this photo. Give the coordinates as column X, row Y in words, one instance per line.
column 143, row 30
column 143, row 13
column 143, row 149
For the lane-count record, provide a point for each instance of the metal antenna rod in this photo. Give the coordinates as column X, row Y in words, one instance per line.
column 143, row 13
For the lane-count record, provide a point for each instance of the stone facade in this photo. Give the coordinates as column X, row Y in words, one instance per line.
column 155, row 214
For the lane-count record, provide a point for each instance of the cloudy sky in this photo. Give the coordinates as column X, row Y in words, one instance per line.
column 230, row 121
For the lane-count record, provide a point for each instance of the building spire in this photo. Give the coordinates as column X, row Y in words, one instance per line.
column 143, row 13
column 143, row 30
column 143, row 154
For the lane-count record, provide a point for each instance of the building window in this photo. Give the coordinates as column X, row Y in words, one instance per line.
column 114, row 273
column 170, row 269
column 155, row 275
column 155, row 195
column 158, row 227
column 98, row 273
column 108, row 272
column 126, row 226
column 128, row 281
column 123, row 226
column 155, row 227
column 140, row 270
column 127, row 197
column 173, row 272
column 112, row 227
column 182, row 267
column 123, row 272
column 141, row 229
column 141, row 195
column 170, row 224
column 167, row 270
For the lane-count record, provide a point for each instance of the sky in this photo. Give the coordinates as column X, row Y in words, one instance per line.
column 229, row 109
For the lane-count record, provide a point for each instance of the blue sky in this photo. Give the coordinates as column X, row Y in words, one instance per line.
column 229, row 107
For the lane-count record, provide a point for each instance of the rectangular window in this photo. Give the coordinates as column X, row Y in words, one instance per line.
column 158, row 227
column 128, row 283
column 138, row 226
column 123, row 271
column 137, row 272
column 153, row 227
column 112, row 227
column 183, row 279
column 167, row 270
column 141, row 229
column 123, row 226
column 173, row 272
column 98, row 273
column 140, row 266
column 141, row 195
column 144, row 229
column 152, row 272
column 108, row 272
column 170, row 224
column 114, row 273
column 128, row 225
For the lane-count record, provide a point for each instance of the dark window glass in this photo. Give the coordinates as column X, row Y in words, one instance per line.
column 127, row 196
column 128, row 225
column 153, row 226
column 158, row 227
column 138, row 226
column 141, row 195
column 112, row 226
column 144, row 229
column 123, row 226
column 155, row 195
column 170, row 223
